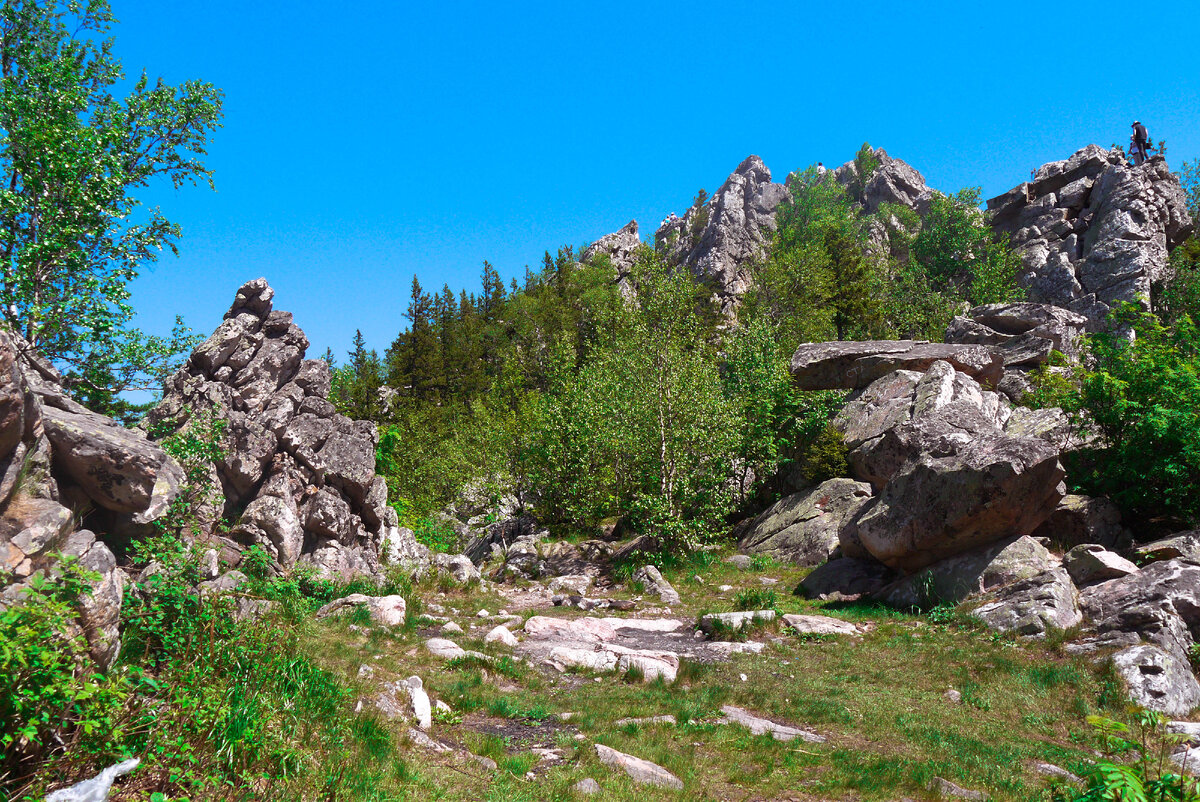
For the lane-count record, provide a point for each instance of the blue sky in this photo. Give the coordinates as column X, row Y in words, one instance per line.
column 367, row 143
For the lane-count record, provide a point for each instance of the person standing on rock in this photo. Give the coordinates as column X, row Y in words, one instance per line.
column 1140, row 143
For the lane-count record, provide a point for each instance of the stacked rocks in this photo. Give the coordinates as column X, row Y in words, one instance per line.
column 719, row 240
column 298, row 478
column 1092, row 231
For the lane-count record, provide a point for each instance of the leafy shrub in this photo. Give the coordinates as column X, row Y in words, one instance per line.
column 1148, row 778
column 51, row 697
column 1141, row 399
column 755, row 599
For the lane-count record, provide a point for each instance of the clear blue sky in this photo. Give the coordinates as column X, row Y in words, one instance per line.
column 368, row 141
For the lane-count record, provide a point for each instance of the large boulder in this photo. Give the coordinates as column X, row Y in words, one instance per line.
column 849, row 365
column 1160, row 604
column 1093, row 232
column 979, row 571
column 1033, row 606
column 1158, row 680
column 297, row 477
column 950, row 477
column 807, row 527
column 721, row 239
column 1080, row 520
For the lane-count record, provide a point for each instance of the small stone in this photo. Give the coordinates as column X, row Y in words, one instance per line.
column 483, row 614
column 743, row 678
column 586, row 786
column 501, row 635
column 451, row 628
column 641, row 771
column 954, row 696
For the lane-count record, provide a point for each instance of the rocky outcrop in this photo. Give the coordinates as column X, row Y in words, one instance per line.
column 892, row 181
column 1158, row 680
column 1024, row 333
column 949, row 476
column 621, row 249
column 720, row 239
column 1080, row 520
column 1160, row 604
column 958, row 578
column 1093, row 231
column 59, row 464
column 298, row 478
column 850, row 365
column 807, row 527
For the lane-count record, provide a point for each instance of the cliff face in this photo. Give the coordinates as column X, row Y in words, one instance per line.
column 1093, row 231
column 720, row 240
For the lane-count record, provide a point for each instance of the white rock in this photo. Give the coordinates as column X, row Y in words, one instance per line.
column 819, row 625
column 446, row 649
column 422, row 711
column 586, row 786
column 760, row 726
column 639, row 770
column 667, row 719
column 451, row 628
column 578, row 584
column 501, row 635
column 483, row 614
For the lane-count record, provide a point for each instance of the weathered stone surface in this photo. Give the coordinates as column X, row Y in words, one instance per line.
column 652, row 579
column 936, row 507
column 761, row 726
column 1091, row 563
column 806, row 528
column 739, row 620
column 1182, row 545
column 892, row 181
column 1060, row 326
column 299, row 477
column 118, row 468
column 952, row 580
column 849, row 365
column 639, row 770
column 1160, row 603
column 502, row 635
column 386, row 611
column 720, row 240
column 1093, row 231
column 1079, row 520
column 819, row 625
column 621, row 249
column 1158, row 680
column 1032, row 606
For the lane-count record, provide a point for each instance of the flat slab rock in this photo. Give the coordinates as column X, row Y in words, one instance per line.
column 819, row 625
column 854, row 365
column 639, row 770
column 762, row 726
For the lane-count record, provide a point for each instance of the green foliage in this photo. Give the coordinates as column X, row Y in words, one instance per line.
column 755, row 599
column 1141, row 398
column 51, row 698
column 961, row 255
column 72, row 155
column 819, row 281
column 825, row 457
column 1148, row 778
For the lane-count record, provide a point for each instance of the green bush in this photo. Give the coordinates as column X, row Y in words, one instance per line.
column 1147, row 778
column 51, row 696
column 1142, row 399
